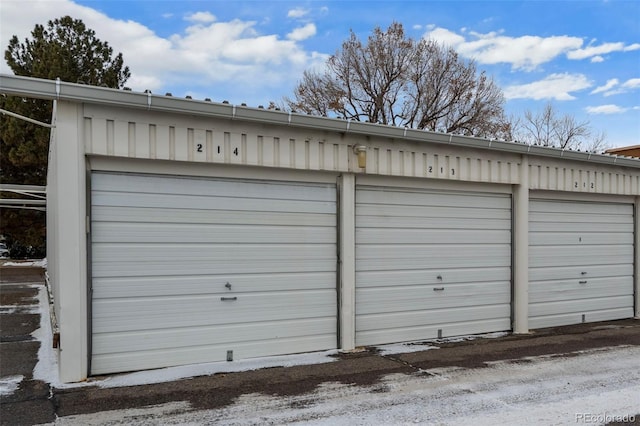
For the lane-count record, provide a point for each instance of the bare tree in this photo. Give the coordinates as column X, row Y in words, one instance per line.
column 399, row 81
column 549, row 128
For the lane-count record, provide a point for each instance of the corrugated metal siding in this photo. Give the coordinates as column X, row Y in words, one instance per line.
column 163, row 249
column 580, row 262
column 578, row 177
column 406, row 239
column 131, row 133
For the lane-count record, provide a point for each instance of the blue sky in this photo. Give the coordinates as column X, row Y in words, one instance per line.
column 583, row 56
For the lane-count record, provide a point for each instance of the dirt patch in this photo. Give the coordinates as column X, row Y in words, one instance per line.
column 21, row 274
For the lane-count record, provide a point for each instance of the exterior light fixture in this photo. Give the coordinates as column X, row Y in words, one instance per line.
column 361, row 152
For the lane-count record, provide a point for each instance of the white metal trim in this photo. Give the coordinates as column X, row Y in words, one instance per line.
column 433, row 184
column 574, row 196
column 177, row 168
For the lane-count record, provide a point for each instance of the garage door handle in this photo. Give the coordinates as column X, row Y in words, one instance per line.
column 438, row 288
column 582, row 282
column 225, row 299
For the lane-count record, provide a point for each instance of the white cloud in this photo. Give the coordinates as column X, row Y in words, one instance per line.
column 590, row 51
column 613, row 87
column 201, row 17
column 297, row 13
column 444, row 36
column 608, row 86
column 633, row 83
column 605, row 109
column 203, row 54
column 302, row 33
column 555, row 86
column 596, row 52
column 525, row 52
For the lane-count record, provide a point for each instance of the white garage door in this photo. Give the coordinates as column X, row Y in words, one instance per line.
column 431, row 264
column 580, row 262
column 186, row 270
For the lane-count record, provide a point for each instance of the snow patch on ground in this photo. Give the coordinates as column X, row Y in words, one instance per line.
column 46, row 368
column 9, row 384
column 42, row 263
column 403, row 348
column 19, row 309
column 425, row 345
column 459, row 339
column 8, row 309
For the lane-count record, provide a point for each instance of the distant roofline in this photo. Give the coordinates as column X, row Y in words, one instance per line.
column 59, row 90
column 622, row 148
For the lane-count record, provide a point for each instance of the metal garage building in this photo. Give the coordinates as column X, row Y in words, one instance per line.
column 183, row 231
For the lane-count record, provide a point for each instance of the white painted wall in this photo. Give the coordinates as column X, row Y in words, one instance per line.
column 347, row 288
column 521, row 251
column 66, row 217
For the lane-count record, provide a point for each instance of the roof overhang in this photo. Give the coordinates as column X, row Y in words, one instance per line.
column 58, row 90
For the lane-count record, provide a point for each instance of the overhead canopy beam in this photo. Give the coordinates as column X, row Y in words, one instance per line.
column 37, row 194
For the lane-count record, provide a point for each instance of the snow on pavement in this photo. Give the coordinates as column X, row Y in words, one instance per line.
column 9, row 384
column 596, row 384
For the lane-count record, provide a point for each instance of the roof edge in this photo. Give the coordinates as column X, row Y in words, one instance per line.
column 58, row 90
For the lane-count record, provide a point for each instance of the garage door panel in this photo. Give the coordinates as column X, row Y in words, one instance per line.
column 164, row 249
column 142, row 360
column 166, row 312
column 437, row 316
column 580, row 306
column 552, row 256
column 431, row 212
column 580, row 238
column 439, row 223
column 204, row 267
column 410, row 197
column 116, row 252
column 368, row 279
column 568, row 208
column 422, row 251
column 435, row 237
column 152, row 286
column 210, row 188
column 114, row 232
column 113, row 343
column 445, row 259
column 410, row 242
column 420, row 333
column 399, row 299
column 576, row 318
column 572, row 289
column 581, row 262
column 575, row 227
column 207, row 203
column 218, row 217
column 581, row 217
column 571, row 272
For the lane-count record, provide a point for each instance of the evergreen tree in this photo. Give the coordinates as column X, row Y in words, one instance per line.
column 64, row 49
